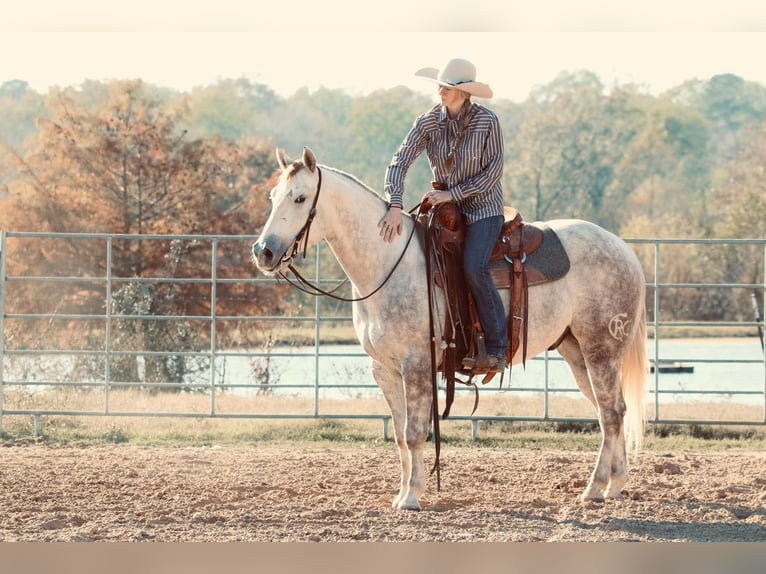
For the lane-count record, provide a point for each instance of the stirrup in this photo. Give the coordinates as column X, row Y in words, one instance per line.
column 481, row 359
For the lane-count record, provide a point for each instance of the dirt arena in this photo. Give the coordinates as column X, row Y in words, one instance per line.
column 325, row 492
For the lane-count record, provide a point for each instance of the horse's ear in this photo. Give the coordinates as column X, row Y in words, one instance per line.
column 309, row 160
column 282, row 158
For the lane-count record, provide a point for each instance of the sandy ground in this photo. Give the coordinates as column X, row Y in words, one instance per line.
column 324, row 492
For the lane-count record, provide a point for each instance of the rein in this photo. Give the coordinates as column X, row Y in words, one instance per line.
column 309, row 288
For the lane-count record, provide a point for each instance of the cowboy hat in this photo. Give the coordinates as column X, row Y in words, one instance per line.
column 460, row 74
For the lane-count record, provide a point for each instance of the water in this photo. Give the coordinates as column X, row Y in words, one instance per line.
column 729, row 369
column 724, row 369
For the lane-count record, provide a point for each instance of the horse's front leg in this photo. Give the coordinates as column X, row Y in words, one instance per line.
column 393, row 391
column 409, row 398
column 418, row 393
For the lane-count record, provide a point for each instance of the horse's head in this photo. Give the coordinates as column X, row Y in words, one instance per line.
column 293, row 207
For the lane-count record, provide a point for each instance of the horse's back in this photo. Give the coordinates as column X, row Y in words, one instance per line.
column 606, row 281
column 586, row 242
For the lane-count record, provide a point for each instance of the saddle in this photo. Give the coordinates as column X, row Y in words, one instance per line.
column 524, row 254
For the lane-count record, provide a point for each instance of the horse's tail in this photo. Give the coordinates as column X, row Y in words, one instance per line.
column 633, row 375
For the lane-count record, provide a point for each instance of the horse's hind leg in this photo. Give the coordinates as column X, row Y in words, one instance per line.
column 570, row 350
column 610, row 466
column 618, row 474
column 601, row 385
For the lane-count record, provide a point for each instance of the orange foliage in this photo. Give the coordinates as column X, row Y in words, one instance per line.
column 124, row 165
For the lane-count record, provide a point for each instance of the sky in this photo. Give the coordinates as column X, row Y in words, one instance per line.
column 359, row 46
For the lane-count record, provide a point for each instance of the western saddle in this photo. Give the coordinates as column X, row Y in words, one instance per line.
column 463, row 334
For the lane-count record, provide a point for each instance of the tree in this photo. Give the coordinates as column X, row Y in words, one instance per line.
column 233, row 109
column 317, row 120
column 377, row 125
column 564, row 156
column 125, row 166
column 663, row 168
column 19, row 106
column 740, row 205
column 730, row 105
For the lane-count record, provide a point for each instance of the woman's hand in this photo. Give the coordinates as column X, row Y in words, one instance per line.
column 391, row 223
column 436, row 197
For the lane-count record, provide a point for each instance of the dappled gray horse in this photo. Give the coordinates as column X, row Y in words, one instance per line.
column 598, row 305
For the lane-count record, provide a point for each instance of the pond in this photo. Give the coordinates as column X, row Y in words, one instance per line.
column 722, row 369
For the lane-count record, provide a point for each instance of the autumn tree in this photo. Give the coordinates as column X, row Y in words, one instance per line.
column 125, row 166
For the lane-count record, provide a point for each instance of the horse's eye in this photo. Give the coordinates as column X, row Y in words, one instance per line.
column 300, row 199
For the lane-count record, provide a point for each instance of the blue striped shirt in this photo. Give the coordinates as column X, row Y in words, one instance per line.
column 475, row 178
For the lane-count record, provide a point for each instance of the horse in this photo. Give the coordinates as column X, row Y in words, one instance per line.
column 596, row 312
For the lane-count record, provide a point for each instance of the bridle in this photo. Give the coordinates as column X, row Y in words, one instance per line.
column 303, row 234
column 303, row 284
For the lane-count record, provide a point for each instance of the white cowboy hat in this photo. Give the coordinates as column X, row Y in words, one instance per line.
column 460, row 74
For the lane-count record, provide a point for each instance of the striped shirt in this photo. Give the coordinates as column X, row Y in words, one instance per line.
column 474, row 181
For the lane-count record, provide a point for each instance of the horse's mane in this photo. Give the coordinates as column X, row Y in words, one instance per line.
column 355, row 180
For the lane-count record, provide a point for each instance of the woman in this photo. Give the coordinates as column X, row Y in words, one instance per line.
column 464, row 147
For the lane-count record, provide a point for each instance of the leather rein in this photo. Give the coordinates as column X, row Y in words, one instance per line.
column 304, row 284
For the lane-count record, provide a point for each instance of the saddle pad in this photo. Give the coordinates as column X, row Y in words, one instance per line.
column 546, row 263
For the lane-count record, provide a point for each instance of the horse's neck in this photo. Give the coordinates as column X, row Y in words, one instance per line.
column 352, row 232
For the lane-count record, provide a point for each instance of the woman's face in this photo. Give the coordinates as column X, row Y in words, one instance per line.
column 451, row 97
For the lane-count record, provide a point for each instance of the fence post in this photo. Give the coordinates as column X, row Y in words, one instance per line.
column 656, row 312
column 213, row 330
column 2, row 323
column 108, row 326
column 317, row 331
column 763, row 326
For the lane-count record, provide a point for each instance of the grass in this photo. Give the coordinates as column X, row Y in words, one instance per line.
column 197, row 428
column 523, row 435
column 703, row 332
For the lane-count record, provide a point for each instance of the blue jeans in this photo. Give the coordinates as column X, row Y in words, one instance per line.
column 480, row 238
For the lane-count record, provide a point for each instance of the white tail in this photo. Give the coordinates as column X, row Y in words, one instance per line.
column 633, row 374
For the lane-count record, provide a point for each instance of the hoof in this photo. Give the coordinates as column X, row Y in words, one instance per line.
column 592, row 494
column 407, row 503
column 614, row 495
column 614, row 489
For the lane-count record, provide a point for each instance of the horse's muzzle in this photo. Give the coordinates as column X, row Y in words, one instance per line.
column 265, row 259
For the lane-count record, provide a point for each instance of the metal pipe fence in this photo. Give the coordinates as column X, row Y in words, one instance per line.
column 84, row 337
